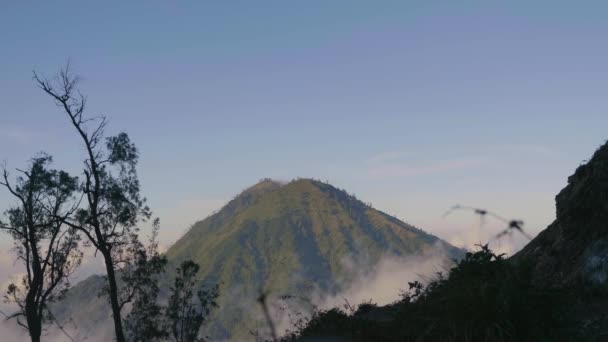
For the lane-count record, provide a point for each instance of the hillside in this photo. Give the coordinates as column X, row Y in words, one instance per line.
column 301, row 238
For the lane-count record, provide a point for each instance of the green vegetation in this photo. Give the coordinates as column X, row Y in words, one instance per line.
column 43, row 244
column 186, row 316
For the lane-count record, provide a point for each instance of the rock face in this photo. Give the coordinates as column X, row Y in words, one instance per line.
column 573, row 250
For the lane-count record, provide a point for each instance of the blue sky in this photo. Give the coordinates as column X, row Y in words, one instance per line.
column 411, row 105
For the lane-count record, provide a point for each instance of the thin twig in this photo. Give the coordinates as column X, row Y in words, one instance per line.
column 516, row 225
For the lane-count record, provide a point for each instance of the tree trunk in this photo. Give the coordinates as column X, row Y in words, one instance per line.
column 34, row 323
column 33, row 317
column 120, row 337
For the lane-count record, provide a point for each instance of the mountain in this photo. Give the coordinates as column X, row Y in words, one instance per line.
column 301, row 238
column 289, row 238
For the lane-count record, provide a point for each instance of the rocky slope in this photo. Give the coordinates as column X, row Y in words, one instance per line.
column 573, row 250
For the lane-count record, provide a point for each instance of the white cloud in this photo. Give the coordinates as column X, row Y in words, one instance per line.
column 386, row 280
column 388, row 156
column 381, row 282
column 10, row 271
column 540, row 150
column 10, row 331
column 404, row 170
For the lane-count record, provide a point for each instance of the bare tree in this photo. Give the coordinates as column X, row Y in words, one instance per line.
column 112, row 205
column 43, row 244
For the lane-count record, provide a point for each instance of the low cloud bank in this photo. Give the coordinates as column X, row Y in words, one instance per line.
column 381, row 282
column 378, row 280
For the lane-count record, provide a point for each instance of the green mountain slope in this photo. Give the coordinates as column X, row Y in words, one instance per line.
column 288, row 239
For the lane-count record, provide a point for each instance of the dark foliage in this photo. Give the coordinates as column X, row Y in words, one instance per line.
column 185, row 313
column 46, row 247
column 145, row 321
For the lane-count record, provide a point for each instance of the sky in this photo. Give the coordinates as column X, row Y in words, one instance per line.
column 413, row 106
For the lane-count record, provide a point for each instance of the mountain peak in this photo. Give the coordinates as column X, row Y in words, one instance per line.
column 587, row 188
column 264, row 185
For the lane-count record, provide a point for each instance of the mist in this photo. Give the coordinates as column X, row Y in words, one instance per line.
column 380, row 282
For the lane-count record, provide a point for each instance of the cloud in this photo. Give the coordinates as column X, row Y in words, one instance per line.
column 10, row 331
column 388, row 156
column 525, row 149
column 402, row 170
column 10, row 271
column 397, row 163
column 385, row 281
column 381, row 282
